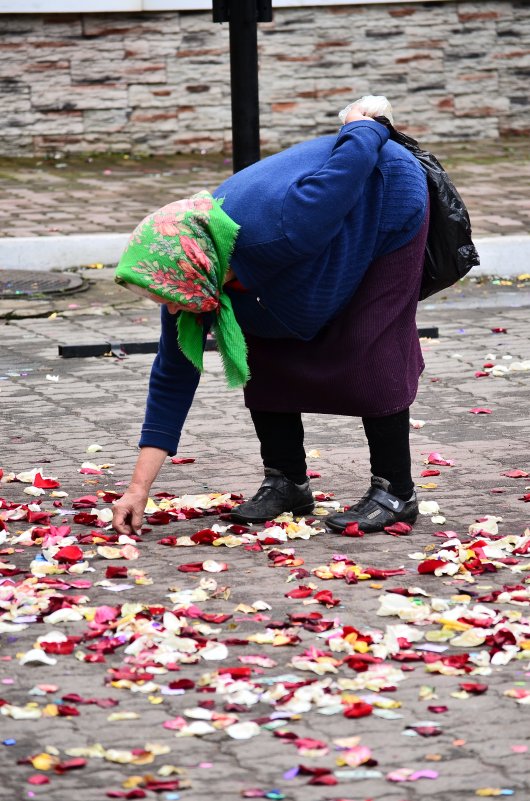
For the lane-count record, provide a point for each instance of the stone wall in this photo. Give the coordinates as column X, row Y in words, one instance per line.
column 159, row 83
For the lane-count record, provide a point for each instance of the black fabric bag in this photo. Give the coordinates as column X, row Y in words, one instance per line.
column 450, row 253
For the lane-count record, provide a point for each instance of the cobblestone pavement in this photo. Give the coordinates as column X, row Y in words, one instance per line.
column 470, row 744
column 112, row 194
column 53, row 409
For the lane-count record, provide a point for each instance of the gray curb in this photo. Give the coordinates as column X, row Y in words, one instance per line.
column 506, row 256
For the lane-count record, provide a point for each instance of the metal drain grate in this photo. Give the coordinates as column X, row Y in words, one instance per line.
column 27, row 284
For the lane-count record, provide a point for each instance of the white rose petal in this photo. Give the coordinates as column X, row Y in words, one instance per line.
column 10, row 628
column 36, row 657
column 428, row 508
column 20, row 712
column 198, row 713
column 211, row 566
column 198, row 728
column 214, row 651
column 66, row 615
column 95, row 448
column 489, row 524
column 261, row 606
column 36, row 491
column 28, row 476
column 243, row 731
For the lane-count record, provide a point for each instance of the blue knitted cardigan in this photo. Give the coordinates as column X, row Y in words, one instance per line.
column 312, row 219
column 315, row 216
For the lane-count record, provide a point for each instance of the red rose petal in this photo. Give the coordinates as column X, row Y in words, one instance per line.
column 45, row 483
column 306, row 742
column 474, row 688
column 326, row 597
column 436, row 458
column 430, row 565
column 427, row 731
column 38, row 517
column 300, row 592
column 70, row 553
column 86, row 501
column 182, row 684
column 38, row 778
column 377, row 573
column 327, row 779
column 205, row 537
column 70, row 764
column 360, row 709
column 190, row 567
column 61, row 648
column 66, row 711
column 113, row 571
column 86, row 519
column 398, row 528
column 352, row 530
column 160, row 787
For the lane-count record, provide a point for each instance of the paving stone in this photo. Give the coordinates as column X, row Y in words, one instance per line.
column 108, row 195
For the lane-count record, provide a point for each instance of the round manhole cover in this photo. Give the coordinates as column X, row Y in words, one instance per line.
column 27, row 284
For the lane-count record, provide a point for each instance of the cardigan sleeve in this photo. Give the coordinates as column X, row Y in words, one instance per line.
column 172, row 386
column 316, row 205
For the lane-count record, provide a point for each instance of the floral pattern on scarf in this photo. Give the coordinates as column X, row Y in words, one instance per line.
column 186, row 255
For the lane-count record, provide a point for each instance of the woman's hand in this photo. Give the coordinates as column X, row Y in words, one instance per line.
column 354, row 115
column 128, row 512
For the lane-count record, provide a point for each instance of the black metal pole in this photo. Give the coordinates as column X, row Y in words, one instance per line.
column 243, row 19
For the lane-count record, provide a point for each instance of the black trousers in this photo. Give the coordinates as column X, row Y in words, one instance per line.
column 281, row 435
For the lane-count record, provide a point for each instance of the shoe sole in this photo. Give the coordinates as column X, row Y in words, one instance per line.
column 299, row 512
column 369, row 529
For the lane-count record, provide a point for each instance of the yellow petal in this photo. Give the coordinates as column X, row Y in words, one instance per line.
column 50, row 711
column 133, row 782
column 114, row 716
column 44, row 761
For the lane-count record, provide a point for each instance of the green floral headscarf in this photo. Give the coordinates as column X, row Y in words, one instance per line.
column 181, row 253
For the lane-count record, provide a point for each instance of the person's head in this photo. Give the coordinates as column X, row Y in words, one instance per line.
column 179, row 256
column 172, row 308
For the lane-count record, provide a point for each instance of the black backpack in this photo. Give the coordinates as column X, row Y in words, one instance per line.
column 450, row 253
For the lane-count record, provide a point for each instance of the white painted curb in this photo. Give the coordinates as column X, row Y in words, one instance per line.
column 41, row 253
column 506, row 256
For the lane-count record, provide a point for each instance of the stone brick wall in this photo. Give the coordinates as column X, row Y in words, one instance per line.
column 159, row 83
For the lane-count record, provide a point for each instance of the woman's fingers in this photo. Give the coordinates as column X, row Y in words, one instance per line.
column 137, row 517
column 120, row 520
column 128, row 514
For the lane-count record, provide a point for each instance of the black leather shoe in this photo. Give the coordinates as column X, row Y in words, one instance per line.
column 376, row 510
column 276, row 495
